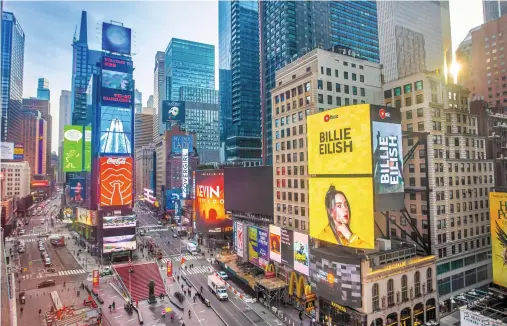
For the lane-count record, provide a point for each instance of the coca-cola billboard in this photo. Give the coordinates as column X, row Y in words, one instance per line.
column 115, row 181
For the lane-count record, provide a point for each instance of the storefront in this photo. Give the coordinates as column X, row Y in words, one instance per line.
column 333, row 314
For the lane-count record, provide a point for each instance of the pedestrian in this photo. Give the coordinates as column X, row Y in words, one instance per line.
column 195, row 296
column 189, row 313
column 40, row 311
column 109, row 308
column 21, row 309
column 300, row 315
column 182, row 287
column 114, row 305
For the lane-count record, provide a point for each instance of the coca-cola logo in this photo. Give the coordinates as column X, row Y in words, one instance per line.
column 117, row 161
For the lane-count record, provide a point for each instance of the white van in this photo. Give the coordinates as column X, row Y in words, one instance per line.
column 192, row 248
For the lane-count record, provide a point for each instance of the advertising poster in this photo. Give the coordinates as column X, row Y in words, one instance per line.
column 113, row 222
column 275, row 243
column 342, row 211
column 116, row 38
column 85, row 216
column 88, row 149
column 180, row 142
column 116, row 98
column 209, row 202
column 117, row 64
column 184, row 173
column 6, row 151
column 115, row 130
column 262, row 245
column 117, row 80
column 336, row 278
column 240, row 239
column 77, row 192
column 287, row 237
column 115, row 181
column 41, row 148
column 301, row 253
column 19, row 152
column 340, row 140
column 169, row 268
column 72, row 148
column 173, row 111
column 498, row 218
column 172, row 197
column 120, row 243
column 253, row 250
column 96, row 277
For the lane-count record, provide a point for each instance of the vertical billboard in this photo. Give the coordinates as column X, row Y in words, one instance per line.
column 77, row 192
column 184, row 173
column 115, row 130
column 498, row 218
column 72, row 148
column 253, row 250
column 275, row 243
column 239, row 238
column 262, row 246
column 116, row 38
column 209, row 202
column 301, row 253
column 181, row 142
column 115, row 181
column 173, row 111
column 287, row 247
column 6, row 151
column 19, row 152
column 41, row 150
column 88, row 149
column 172, row 197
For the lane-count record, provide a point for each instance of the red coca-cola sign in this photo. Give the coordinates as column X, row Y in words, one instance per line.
column 115, row 181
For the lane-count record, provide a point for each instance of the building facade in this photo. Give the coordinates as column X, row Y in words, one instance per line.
column 318, row 81
column 33, row 127
column 413, row 37
column 138, row 101
column 489, row 74
column 150, row 102
column 143, row 127
column 158, row 94
column 202, row 119
column 17, row 178
column 493, row 9
column 43, row 106
column 13, row 56
column 65, row 118
column 453, row 164
column 145, row 172
column 464, row 59
column 239, row 80
column 309, row 25
column 43, row 92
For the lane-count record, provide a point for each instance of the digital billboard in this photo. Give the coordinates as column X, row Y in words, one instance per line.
column 117, row 80
column 498, row 219
column 117, row 64
column 180, row 142
column 253, row 250
column 287, row 254
column 77, row 192
column 262, row 246
column 41, row 148
column 173, row 111
column 172, row 196
column 19, row 152
column 239, row 238
column 6, row 151
column 116, row 98
column 86, row 216
column 115, row 130
column 119, row 243
column 113, row 222
column 336, row 277
column 209, row 202
column 342, row 211
column 115, row 181
column 301, row 253
column 275, row 243
column 116, row 38
column 72, row 148
column 88, row 149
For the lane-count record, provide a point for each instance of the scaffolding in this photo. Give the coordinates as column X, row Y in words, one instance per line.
column 271, row 289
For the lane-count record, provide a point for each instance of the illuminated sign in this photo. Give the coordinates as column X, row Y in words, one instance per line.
column 19, row 152
column 209, row 202
column 180, row 142
column 173, row 111
column 115, row 181
column 116, row 98
column 41, row 147
column 40, row 183
column 114, row 222
column 7, row 151
column 498, row 220
column 96, row 277
column 184, row 172
column 85, row 216
column 72, row 148
column 169, row 268
column 117, row 64
column 116, row 38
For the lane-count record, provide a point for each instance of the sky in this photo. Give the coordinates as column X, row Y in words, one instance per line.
column 49, row 29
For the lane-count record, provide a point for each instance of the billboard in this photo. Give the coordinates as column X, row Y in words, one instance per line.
column 116, row 97
column 77, row 192
column 184, row 173
column 287, row 254
column 113, row 222
column 41, row 148
column 498, row 218
column 253, row 250
column 275, row 243
column 88, row 149
column 115, row 181
column 336, row 277
column 209, row 202
column 239, row 238
column 86, row 216
column 173, row 111
column 262, row 246
column 342, row 211
column 180, row 142
column 172, row 196
column 40, row 183
column 115, row 130
column 117, row 80
column 116, row 38
column 72, row 148
column 119, row 243
column 117, row 64
column 96, row 277
column 6, row 151
column 301, row 253
column 19, row 152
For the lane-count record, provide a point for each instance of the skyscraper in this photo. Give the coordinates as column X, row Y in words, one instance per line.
column 414, row 37
column 239, row 62
column 43, row 92
column 13, row 53
column 158, row 94
column 33, row 127
column 43, row 107
column 85, row 62
column 493, row 9
column 138, row 101
column 308, row 25
column 65, row 119
column 150, row 103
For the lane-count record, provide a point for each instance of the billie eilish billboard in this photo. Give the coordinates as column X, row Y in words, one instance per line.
column 498, row 218
column 355, row 166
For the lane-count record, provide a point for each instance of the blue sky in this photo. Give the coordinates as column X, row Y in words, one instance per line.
column 49, row 29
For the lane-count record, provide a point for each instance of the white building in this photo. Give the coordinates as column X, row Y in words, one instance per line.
column 17, row 179
column 65, row 119
column 413, row 37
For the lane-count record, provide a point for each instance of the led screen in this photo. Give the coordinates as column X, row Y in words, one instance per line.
column 209, row 202
column 115, row 181
column 77, row 190
column 119, row 243
column 116, row 97
column 117, row 80
column 111, row 222
column 116, row 38
column 115, row 130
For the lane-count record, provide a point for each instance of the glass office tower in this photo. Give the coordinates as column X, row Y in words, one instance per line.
column 43, row 92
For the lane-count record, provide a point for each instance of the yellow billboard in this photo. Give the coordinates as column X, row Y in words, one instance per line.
column 498, row 218
column 341, row 211
column 339, row 141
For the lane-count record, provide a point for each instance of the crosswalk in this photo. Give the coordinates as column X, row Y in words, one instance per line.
column 198, row 270
column 177, row 258
column 60, row 273
column 72, row 272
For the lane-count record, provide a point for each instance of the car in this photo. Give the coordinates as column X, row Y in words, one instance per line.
column 21, row 249
column 45, row 255
column 45, row 284
column 175, row 235
column 159, row 222
column 51, row 270
column 41, row 248
column 42, row 222
column 21, row 231
column 106, row 271
column 47, row 262
column 26, row 222
column 223, row 275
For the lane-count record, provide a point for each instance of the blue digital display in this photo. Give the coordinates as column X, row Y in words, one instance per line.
column 116, row 38
column 115, row 130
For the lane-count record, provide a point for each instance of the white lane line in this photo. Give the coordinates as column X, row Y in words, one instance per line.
column 202, row 311
column 131, row 319
column 118, row 316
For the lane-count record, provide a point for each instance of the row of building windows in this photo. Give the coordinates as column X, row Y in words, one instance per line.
column 292, row 222
column 442, row 224
column 407, row 89
column 338, row 88
column 461, row 280
column 295, row 91
column 486, row 242
column 456, row 235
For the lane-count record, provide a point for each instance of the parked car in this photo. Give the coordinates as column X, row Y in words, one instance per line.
column 21, row 231
column 45, row 284
column 41, row 248
column 223, row 275
column 106, row 271
column 47, row 262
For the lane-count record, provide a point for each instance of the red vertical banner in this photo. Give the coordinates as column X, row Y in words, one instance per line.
column 96, row 277
column 169, row 268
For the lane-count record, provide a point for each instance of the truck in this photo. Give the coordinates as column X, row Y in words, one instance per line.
column 217, row 287
column 192, row 248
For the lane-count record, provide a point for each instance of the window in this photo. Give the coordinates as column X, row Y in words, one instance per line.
column 417, row 284
column 354, row 77
column 329, row 86
column 329, row 99
column 390, row 292
column 320, row 84
column 418, row 85
column 375, row 297
column 347, row 91
column 321, row 98
column 408, row 101
column 420, row 112
column 397, row 91
column 419, row 99
column 404, row 286
column 354, row 90
column 361, row 77
column 407, row 88
column 345, row 75
column 338, row 88
column 328, row 71
column 338, row 101
column 429, row 280
column 363, row 92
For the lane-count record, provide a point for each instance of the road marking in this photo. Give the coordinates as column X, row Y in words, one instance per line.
column 202, row 311
column 113, row 297
column 118, row 316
